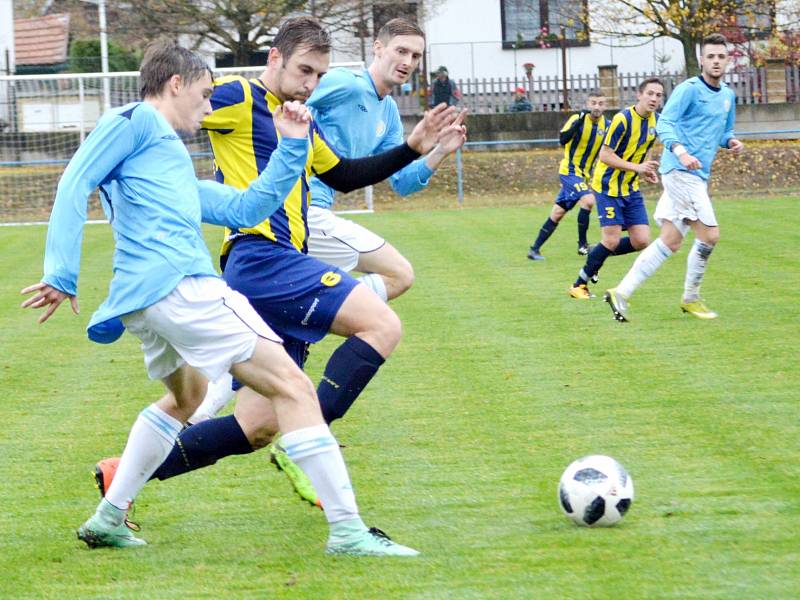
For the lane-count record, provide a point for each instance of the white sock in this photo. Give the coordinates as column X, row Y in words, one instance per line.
column 315, row 450
column 695, row 270
column 149, row 443
column 218, row 396
column 376, row 283
column 647, row 263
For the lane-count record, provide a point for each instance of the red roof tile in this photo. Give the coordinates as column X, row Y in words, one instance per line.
column 41, row 40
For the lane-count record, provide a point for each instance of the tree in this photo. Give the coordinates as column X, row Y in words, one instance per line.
column 84, row 57
column 688, row 21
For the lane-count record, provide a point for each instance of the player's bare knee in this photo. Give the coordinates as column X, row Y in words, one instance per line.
column 384, row 331
column 404, row 277
column 640, row 242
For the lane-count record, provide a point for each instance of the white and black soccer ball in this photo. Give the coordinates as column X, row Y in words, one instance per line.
column 595, row 491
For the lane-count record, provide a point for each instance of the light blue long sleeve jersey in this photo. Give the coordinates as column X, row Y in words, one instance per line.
column 357, row 122
column 155, row 204
column 701, row 118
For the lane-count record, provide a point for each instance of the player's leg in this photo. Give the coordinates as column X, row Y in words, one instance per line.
column 611, row 216
column 218, row 396
column 373, row 331
column 350, row 246
column 706, row 239
column 310, row 444
column 151, row 438
column 585, row 205
column 386, row 272
column 548, row 227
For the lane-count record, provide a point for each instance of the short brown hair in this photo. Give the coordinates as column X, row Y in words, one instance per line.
column 301, row 32
column 716, row 39
column 397, row 27
column 164, row 58
column 648, row 81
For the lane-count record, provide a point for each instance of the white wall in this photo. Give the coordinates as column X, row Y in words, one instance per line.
column 6, row 35
column 465, row 35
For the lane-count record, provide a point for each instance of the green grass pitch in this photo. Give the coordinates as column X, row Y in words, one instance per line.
column 456, row 447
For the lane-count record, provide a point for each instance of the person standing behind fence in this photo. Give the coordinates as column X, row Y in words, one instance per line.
column 445, row 89
column 581, row 136
column 520, row 102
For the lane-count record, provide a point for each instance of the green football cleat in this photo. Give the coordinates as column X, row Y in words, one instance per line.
column 618, row 304
column 357, row 541
column 698, row 309
column 296, row 476
column 97, row 534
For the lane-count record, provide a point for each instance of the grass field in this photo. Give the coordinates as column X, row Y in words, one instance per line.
column 457, row 446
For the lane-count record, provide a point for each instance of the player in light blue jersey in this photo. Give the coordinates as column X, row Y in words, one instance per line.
column 192, row 326
column 358, row 116
column 697, row 120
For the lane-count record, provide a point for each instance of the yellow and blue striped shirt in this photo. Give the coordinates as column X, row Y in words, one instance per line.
column 630, row 136
column 243, row 138
column 581, row 151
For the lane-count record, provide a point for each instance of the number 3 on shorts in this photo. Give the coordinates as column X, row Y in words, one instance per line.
column 610, row 213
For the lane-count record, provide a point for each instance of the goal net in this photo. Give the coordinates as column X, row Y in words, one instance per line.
column 44, row 118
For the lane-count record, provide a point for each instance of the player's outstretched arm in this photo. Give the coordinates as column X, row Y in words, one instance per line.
column 48, row 297
column 225, row 205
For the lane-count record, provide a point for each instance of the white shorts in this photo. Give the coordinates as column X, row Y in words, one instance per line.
column 685, row 199
column 202, row 323
column 337, row 241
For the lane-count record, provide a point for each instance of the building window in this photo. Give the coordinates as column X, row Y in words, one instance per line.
column 538, row 23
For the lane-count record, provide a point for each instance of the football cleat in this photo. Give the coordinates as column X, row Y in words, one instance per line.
column 104, row 472
column 584, row 249
column 698, row 309
column 534, row 255
column 618, row 304
column 299, row 480
column 97, row 534
column 595, row 278
column 365, row 542
column 580, row 292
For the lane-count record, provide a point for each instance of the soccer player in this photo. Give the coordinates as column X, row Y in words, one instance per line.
column 581, row 136
column 697, row 120
column 359, row 117
column 615, row 181
column 300, row 297
column 166, row 292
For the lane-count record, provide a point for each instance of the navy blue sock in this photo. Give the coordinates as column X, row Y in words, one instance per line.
column 624, row 247
column 583, row 225
column 348, row 371
column 545, row 232
column 202, row 445
column 594, row 261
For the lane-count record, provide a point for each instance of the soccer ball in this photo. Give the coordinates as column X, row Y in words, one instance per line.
column 595, row 491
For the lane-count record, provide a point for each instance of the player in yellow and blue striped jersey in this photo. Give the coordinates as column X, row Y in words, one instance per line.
column 615, row 181
column 581, row 136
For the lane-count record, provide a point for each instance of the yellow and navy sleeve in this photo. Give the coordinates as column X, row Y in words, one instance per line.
column 325, row 158
column 616, row 131
column 231, row 96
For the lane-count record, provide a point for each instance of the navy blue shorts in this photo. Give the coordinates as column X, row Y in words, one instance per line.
column 297, row 295
column 573, row 188
column 621, row 210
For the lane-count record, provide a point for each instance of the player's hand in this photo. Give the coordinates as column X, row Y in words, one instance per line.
column 453, row 137
column 47, row 296
column 648, row 166
column 735, row 146
column 650, row 176
column 426, row 133
column 690, row 162
column 291, row 119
